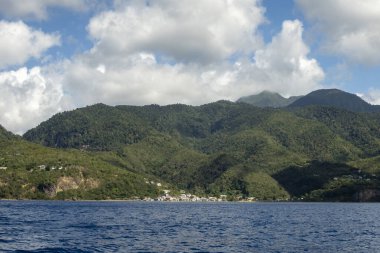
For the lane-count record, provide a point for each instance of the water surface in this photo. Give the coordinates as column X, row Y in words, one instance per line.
column 54, row 226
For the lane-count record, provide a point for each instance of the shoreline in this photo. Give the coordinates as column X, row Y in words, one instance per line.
column 193, row 202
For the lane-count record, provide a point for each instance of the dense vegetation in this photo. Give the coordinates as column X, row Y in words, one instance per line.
column 236, row 149
column 333, row 181
column 335, row 98
column 32, row 171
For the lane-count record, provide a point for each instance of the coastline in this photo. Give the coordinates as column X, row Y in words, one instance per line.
column 183, row 202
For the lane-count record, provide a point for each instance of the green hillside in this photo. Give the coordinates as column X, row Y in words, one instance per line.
column 335, row 98
column 360, row 129
column 227, row 148
column 31, row 171
column 320, row 181
column 97, row 127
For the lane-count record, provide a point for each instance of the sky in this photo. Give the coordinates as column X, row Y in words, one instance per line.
column 58, row 55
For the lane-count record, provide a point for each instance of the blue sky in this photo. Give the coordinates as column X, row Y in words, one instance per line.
column 59, row 55
column 358, row 78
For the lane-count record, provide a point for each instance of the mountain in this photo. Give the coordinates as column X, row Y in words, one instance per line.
column 335, row 98
column 223, row 148
column 268, row 99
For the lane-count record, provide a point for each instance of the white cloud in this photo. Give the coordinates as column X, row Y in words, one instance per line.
column 27, row 97
column 139, row 78
column 283, row 64
column 350, row 28
column 184, row 31
column 38, row 9
column 372, row 96
column 19, row 42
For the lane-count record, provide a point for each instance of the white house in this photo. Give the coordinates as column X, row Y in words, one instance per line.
column 42, row 167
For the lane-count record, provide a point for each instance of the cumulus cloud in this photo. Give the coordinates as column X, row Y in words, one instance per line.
column 350, row 28
column 19, row 42
column 284, row 66
column 183, row 31
column 27, row 97
column 37, row 9
column 140, row 78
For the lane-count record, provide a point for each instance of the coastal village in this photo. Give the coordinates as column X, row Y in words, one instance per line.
column 187, row 197
column 183, row 196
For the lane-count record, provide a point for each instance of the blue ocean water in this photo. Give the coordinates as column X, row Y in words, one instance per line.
column 54, row 226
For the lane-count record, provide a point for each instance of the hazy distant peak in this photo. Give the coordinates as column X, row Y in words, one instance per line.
column 268, row 99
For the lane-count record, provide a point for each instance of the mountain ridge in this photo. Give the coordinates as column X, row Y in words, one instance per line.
column 218, row 148
column 322, row 97
column 335, row 98
column 222, row 147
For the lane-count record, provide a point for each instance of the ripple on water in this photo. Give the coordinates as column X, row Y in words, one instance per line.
column 37, row 226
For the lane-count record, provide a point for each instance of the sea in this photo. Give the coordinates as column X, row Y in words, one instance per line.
column 62, row 226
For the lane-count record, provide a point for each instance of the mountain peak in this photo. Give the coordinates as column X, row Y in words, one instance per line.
column 336, row 98
column 332, row 91
column 268, row 92
column 267, row 99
